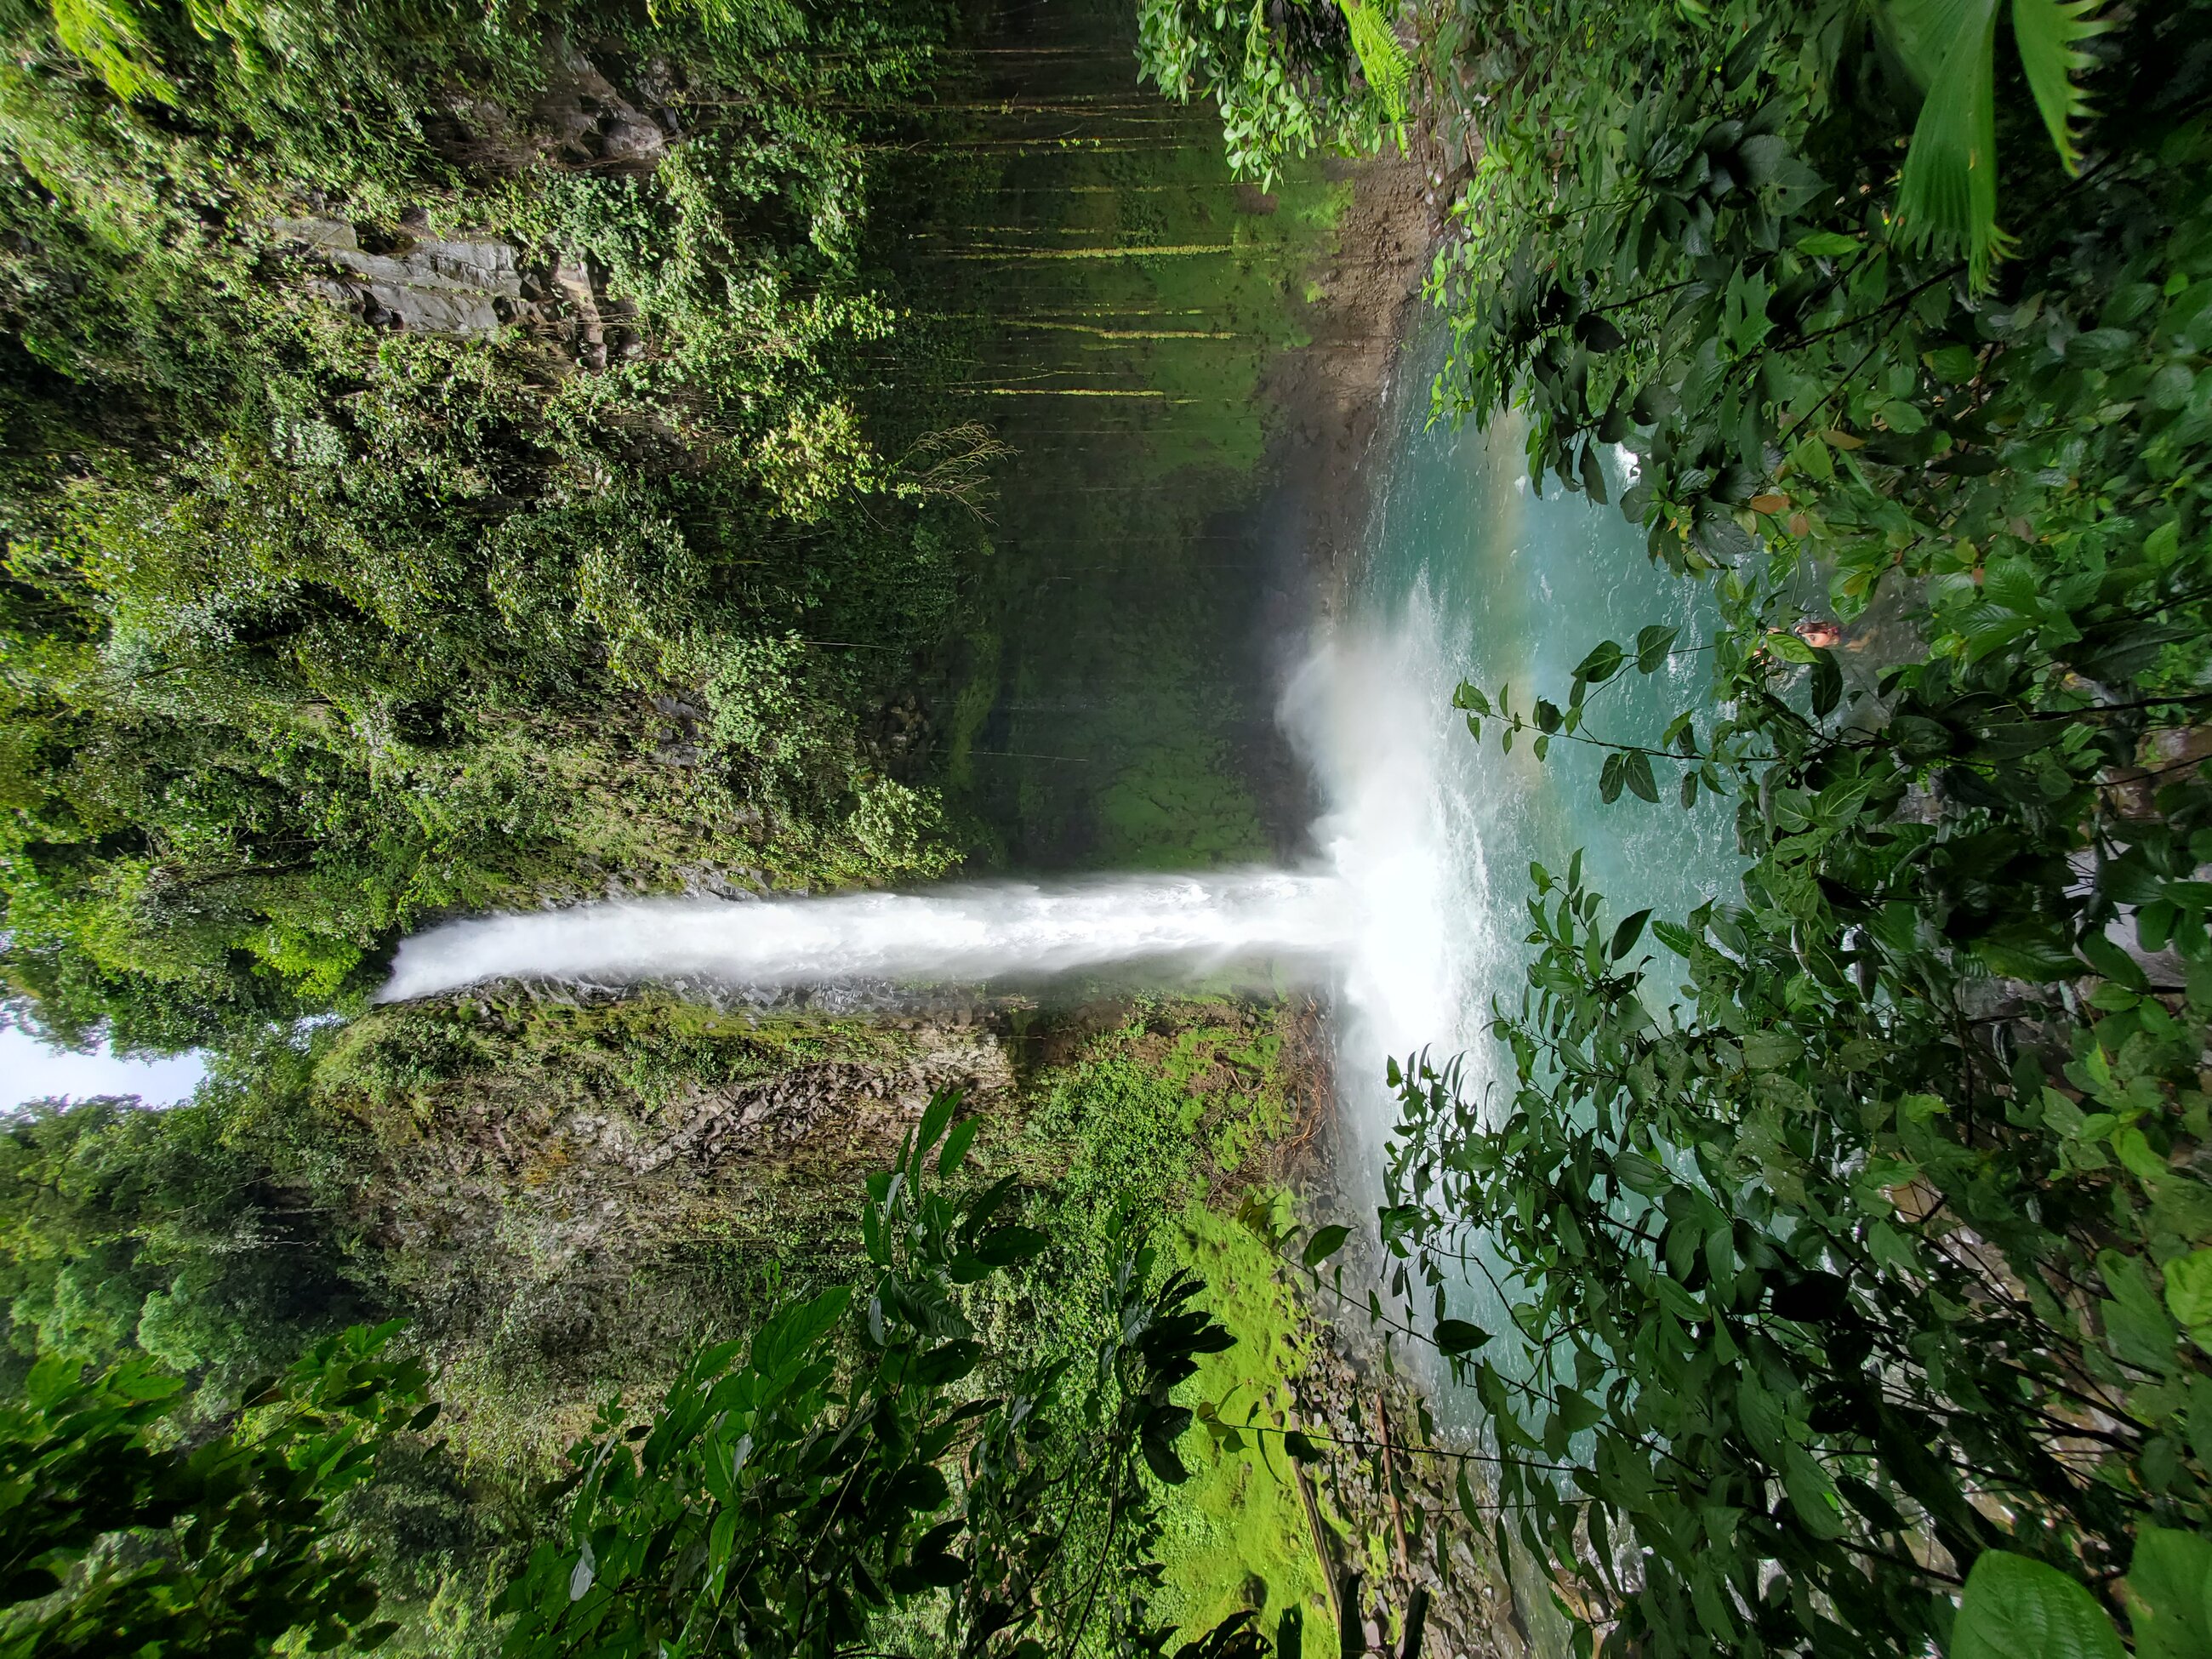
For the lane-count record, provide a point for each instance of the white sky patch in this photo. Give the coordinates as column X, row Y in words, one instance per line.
column 30, row 1070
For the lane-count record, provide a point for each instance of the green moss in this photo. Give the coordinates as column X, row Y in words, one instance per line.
column 1236, row 1534
column 1163, row 1116
column 647, row 1046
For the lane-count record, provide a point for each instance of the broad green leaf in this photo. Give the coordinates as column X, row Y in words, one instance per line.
column 1652, row 644
column 1642, row 1174
column 797, row 1328
column 2136, row 1322
column 934, row 1117
column 1325, row 1242
column 1456, row 1336
column 1602, row 665
column 919, row 1489
column 1827, row 683
column 948, row 1362
column 2025, row 949
column 1578, row 1411
column 2189, row 1294
column 1636, row 772
column 956, row 1145
column 934, row 1569
column 2113, row 962
column 1812, row 1493
column 1827, row 245
column 1626, row 935
column 1162, row 1426
column 2017, row 1608
column 1469, row 696
column 1788, row 647
column 1609, row 779
column 2169, row 1592
column 1002, row 1247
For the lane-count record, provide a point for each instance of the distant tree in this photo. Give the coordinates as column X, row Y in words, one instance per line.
column 189, row 1233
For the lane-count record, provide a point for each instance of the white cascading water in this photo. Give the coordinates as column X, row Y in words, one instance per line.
column 1402, row 831
column 1384, row 912
column 959, row 933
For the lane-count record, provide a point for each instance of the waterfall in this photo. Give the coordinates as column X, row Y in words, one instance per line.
column 960, row 933
column 1385, row 915
column 1382, row 911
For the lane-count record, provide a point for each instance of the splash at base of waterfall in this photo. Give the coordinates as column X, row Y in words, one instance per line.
column 1188, row 925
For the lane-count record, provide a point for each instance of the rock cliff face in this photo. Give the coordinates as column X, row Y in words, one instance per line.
column 556, row 1220
column 468, row 287
column 1380, row 1475
column 463, row 287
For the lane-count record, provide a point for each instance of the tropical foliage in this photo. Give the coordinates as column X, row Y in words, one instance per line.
column 436, row 476
column 863, row 1462
column 1852, row 1230
column 781, row 1501
column 120, row 1540
column 1290, row 78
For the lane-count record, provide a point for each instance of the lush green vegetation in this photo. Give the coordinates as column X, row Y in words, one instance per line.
column 1856, row 1233
column 430, row 484
column 564, row 1202
column 1854, row 1279
column 783, row 1504
column 458, row 460
column 123, row 1540
column 1289, row 80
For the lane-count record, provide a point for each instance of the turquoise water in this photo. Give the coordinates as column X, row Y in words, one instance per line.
column 1472, row 574
column 1516, row 587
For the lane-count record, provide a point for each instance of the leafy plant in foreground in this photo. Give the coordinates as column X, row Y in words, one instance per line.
column 1858, row 1235
column 793, row 1490
column 114, row 1542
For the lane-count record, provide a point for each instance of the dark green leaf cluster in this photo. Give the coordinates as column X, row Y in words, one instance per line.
column 1863, row 1233
column 1854, row 1260
column 845, row 1463
column 118, row 1541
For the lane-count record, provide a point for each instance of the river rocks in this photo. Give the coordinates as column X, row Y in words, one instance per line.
column 1407, row 1500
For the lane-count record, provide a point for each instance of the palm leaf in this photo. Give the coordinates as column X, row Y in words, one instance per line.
column 1949, row 193
column 2048, row 33
column 1382, row 59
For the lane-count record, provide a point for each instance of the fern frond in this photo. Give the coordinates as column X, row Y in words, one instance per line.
column 2049, row 33
column 1390, row 73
